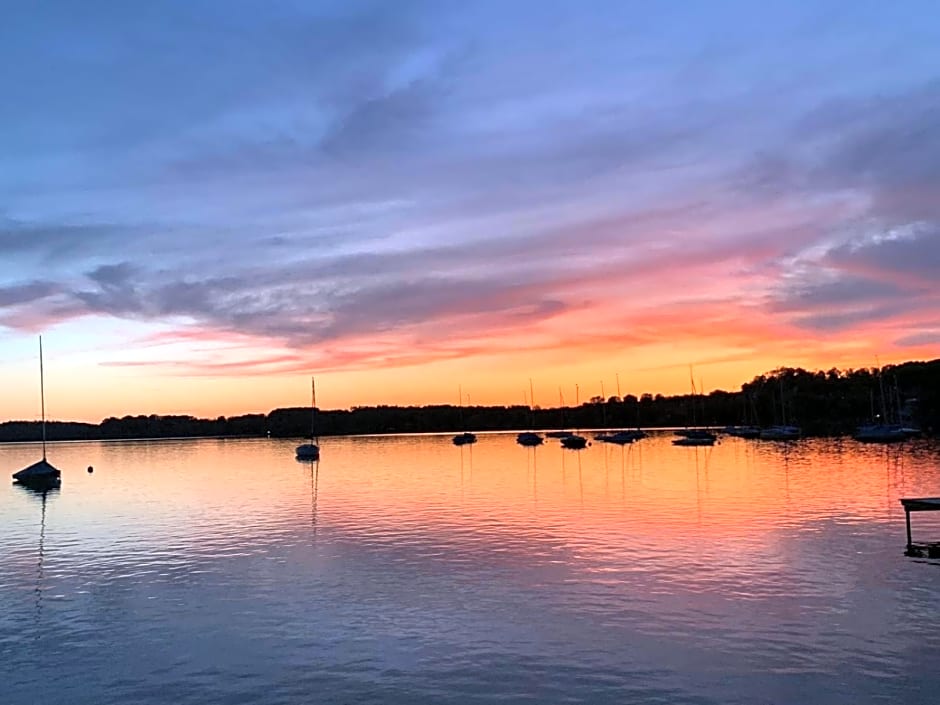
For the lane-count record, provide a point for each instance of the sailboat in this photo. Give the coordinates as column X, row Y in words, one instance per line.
column 465, row 438
column 782, row 432
column 41, row 473
column 311, row 451
column 882, row 431
column 745, row 430
column 694, row 436
column 573, row 441
column 529, row 438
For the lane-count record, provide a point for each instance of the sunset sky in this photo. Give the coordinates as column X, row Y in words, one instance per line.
column 204, row 203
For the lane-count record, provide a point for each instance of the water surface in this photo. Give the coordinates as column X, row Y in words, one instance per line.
column 403, row 569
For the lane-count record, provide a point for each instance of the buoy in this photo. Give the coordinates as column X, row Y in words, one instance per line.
column 90, row 469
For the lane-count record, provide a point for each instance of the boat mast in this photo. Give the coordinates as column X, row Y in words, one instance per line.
column 42, row 397
column 884, row 406
column 531, row 405
column 577, row 406
column 460, row 408
column 313, row 407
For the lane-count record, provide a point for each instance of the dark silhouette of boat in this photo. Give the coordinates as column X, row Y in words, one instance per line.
column 530, row 438
column 465, row 438
column 781, row 433
column 698, row 440
column 620, row 437
column 311, row 450
column 574, row 442
column 742, row 431
column 880, row 433
column 41, row 474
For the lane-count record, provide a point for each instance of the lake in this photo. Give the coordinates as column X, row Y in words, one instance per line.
column 402, row 569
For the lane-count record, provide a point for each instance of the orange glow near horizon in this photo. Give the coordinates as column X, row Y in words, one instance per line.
column 722, row 359
column 647, row 326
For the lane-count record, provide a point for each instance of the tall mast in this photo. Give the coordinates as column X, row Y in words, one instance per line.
column 460, row 406
column 531, row 404
column 577, row 401
column 884, row 406
column 42, row 397
column 313, row 407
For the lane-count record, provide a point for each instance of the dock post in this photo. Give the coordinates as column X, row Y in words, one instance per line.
column 907, row 518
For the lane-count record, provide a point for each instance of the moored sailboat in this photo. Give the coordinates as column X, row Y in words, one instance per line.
column 573, row 441
column 311, row 450
column 782, row 431
column 530, row 438
column 465, row 438
column 694, row 436
column 42, row 473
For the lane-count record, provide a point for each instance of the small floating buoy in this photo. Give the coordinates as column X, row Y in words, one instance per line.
column 90, row 469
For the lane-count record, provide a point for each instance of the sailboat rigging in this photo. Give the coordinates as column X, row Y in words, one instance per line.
column 41, row 473
column 530, row 438
column 465, row 438
column 694, row 436
column 311, row 450
column 574, row 441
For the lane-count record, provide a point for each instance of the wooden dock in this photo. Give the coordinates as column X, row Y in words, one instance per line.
column 920, row 504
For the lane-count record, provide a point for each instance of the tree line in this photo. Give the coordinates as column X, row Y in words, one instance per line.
column 823, row 403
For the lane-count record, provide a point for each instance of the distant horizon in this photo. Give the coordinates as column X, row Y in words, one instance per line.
column 569, row 402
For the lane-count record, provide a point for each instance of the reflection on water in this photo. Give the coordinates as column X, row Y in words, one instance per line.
column 404, row 569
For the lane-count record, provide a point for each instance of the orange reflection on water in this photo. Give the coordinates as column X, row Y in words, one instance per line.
column 612, row 503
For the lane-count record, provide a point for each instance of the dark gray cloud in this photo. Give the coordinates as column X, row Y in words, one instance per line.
column 881, row 262
column 843, row 291
column 928, row 337
column 55, row 241
column 913, row 256
column 858, row 284
column 18, row 294
column 832, row 320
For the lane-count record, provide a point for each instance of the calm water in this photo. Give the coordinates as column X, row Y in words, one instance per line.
column 406, row 570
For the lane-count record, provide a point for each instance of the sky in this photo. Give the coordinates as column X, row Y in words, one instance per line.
column 204, row 203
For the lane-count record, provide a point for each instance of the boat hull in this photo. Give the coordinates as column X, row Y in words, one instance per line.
column 780, row 433
column 574, row 442
column 308, row 451
column 880, row 434
column 694, row 441
column 41, row 472
column 529, row 439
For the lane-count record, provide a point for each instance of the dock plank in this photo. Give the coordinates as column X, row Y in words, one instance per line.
column 921, row 504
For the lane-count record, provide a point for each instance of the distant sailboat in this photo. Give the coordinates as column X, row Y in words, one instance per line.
column 465, row 438
column 621, row 437
column 41, row 473
column 782, row 431
column 530, row 438
column 311, row 450
column 573, row 441
column 883, row 430
column 694, row 436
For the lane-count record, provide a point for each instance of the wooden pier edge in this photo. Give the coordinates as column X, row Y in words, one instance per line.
column 917, row 504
